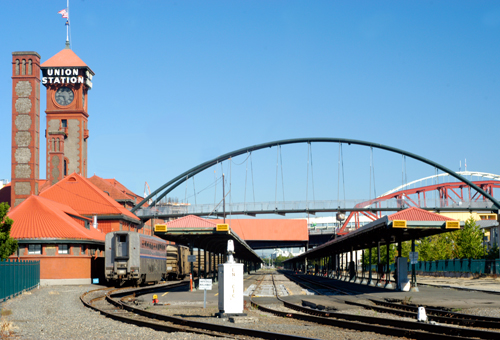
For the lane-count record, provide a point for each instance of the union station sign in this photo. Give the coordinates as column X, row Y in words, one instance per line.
column 57, row 75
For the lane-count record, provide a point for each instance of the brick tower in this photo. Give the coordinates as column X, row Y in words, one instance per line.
column 25, row 125
column 68, row 80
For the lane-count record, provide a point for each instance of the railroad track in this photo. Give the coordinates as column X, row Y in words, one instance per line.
column 118, row 305
column 435, row 314
column 399, row 328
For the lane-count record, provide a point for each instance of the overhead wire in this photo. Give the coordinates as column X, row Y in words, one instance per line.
column 253, row 184
column 246, row 175
column 194, row 190
column 276, row 183
column 282, row 178
column 215, row 181
column 230, row 189
column 307, row 178
column 312, row 173
column 338, row 178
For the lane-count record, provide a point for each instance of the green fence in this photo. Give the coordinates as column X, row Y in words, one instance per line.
column 460, row 266
column 18, row 276
column 457, row 266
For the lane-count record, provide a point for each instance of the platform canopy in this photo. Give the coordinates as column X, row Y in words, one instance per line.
column 196, row 232
column 408, row 224
column 271, row 233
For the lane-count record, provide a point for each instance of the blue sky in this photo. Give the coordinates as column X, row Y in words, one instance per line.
column 181, row 82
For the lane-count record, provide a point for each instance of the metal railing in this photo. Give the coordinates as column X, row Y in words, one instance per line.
column 300, row 206
column 17, row 277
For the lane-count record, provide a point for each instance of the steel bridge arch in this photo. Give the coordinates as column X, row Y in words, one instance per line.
column 464, row 173
column 175, row 182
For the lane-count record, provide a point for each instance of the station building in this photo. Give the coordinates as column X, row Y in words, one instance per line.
column 61, row 220
column 69, row 249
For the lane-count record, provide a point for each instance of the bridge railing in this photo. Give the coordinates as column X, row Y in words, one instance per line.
column 304, row 206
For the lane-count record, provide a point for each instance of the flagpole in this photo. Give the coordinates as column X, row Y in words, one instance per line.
column 67, row 25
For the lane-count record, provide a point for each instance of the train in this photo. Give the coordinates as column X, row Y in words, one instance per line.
column 138, row 259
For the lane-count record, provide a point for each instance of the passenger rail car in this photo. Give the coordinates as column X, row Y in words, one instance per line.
column 134, row 257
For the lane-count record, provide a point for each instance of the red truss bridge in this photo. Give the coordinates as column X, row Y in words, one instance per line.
column 436, row 196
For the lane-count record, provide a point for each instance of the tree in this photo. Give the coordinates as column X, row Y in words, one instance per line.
column 280, row 259
column 469, row 241
column 492, row 253
column 443, row 247
column 7, row 244
column 383, row 255
column 424, row 249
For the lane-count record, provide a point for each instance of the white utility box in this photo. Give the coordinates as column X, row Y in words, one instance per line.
column 231, row 288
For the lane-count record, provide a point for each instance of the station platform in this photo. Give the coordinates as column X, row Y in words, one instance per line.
column 486, row 284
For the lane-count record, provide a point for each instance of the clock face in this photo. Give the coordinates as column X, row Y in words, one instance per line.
column 64, row 96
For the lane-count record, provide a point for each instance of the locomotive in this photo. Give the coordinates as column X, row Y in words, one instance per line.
column 137, row 258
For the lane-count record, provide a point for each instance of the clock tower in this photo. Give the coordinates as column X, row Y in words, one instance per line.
column 68, row 80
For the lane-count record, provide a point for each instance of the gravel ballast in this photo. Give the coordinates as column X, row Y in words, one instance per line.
column 56, row 312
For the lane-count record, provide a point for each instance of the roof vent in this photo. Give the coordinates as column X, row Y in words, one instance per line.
column 72, row 179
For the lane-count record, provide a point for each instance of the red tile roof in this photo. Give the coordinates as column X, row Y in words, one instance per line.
column 41, row 218
column 83, row 196
column 191, row 221
column 107, row 187
column 125, row 190
column 269, row 229
column 65, row 58
column 416, row 214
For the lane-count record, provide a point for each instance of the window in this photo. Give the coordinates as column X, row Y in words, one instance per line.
column 64, row 123
column 34, row 249
column 63, row 249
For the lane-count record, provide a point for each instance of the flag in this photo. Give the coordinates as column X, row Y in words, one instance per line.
column 64, row 13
